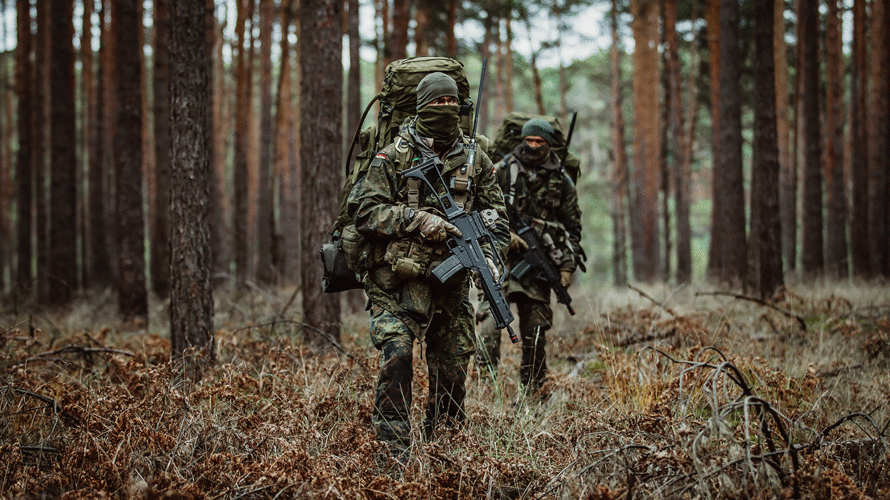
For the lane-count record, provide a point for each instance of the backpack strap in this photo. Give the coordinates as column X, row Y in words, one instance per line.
column 513, row 170
column 404, row 151
column 460, row 185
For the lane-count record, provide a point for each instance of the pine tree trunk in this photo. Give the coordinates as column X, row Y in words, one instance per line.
column 160, row 244
column 241, row 224
column 835, row 183
column 619, row 161
column 41, row 140
column 88, row 136
column 450, row 38
column 25, row 157
column 765, row 222
column 132, row 294
column 422, row 28
column 63, row 153
column 728, row 229
column 265, row 213
column 878, row 125
column 288, row 194
column 647, row 141
column 220, row 229
column 509, row 60
column 399, row 29
column 787, row 172
column 191, row 96
column 712, row 19
column 677, row 145
column 812, row 255
column 860, row 248
column 321, row 99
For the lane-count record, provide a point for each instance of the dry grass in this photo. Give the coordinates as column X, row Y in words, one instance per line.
column 653, row 393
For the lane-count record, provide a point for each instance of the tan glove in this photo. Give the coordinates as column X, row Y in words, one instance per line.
column 494, row 273
column 516, row 244
column 432, row 227
column 565, row 278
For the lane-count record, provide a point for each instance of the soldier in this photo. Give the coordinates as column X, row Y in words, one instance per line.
column 534, row 182
column 405, row 225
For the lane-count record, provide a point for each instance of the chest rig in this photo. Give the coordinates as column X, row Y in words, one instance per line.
column 412, row 257
column 538, row 193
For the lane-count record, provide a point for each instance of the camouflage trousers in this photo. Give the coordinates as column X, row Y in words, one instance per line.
column 535, row 318
column 449, row 346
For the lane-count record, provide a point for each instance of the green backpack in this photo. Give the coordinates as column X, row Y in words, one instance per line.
column 345, row 256
column 509, row 135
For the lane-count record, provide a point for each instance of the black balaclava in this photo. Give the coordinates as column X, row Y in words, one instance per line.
column 440, row 123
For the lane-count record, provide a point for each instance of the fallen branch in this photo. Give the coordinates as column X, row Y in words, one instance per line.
column 52, row 404
column 800, row 320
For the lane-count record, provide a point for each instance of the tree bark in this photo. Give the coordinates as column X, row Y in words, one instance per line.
column 132, row 294
column 220, row 228
column 835, row 183
column 787, row 170
column 88, row 136
column 63, row 134
column 860, row 248
column 728, row 228
column 765, row 222
column 25, row 158
column 450, row 38
column 160, row 244
column 241, row 224
column 399, row 33
column 878, row 125
column 619, row 174
column 647, row 141
column 41, row 142
column 321, row 106
column 812, row 255
column 289, row 190
column 265, row 213
column 191, row 93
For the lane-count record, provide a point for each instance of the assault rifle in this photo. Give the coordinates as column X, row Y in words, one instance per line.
column 466, row 250
column 536, row 257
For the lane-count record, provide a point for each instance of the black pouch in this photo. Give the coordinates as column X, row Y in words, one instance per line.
column 337, row 277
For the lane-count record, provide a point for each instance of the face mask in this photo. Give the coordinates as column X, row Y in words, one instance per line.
column 439, row 123
column 535, row 155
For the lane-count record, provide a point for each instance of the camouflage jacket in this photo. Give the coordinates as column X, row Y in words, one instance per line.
column 381, row 201
column 546, row 197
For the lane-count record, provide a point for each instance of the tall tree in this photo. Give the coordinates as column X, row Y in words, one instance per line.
column 320, row 133
column 191, row 92
column 101, row 200
column 284, row 153
column 647, row 141
column 63, row 133
column 727, row 256
column 132, row 294
column 859, row 241
column 812, row 255
column 220, row 230
column 88, row 135
column 878, row 149
column 265, row 213
column 619, row 174
column 160, row 243
column 765, row 222
column 42, row 127
column 677, row 143
column 25, row 160
column 787, row 167
column 450, row 38
column 835, row 183
column 243, row 86
column 399, row 33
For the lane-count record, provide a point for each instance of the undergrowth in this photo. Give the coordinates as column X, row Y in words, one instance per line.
column 655, row 393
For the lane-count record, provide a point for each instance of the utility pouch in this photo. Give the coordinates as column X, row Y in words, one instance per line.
column 408, row 258
column 337, row 276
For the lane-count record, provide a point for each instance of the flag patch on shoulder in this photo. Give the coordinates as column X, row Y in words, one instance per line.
column 380, row 155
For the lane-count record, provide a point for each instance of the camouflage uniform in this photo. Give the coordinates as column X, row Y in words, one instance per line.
column 547, row 197
column 406, row 307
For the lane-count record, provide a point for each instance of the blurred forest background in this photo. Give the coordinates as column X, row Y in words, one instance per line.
column 739, row 141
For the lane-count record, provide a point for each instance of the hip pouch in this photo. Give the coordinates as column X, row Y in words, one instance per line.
column 408, row 257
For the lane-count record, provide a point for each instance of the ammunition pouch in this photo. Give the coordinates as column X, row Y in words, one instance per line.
column 408, row 258
column 337, row 276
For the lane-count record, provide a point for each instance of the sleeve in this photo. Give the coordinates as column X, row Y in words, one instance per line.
column 569, row 215
column 489, row 195
column 373, row 200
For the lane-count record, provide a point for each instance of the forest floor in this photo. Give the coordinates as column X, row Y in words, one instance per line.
column 653, row 392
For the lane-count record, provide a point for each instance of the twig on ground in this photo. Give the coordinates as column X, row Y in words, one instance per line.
column 800, row 320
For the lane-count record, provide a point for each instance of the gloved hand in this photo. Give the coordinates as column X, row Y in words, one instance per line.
column 432, row 227
column 565, row 278
column 494, row 273
column 516, row 244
